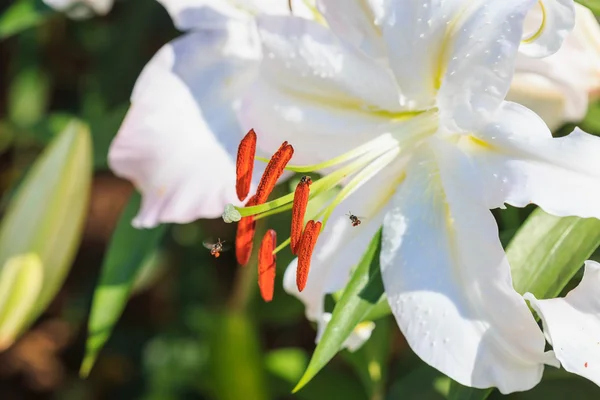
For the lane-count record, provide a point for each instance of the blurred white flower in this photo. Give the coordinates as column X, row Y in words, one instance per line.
column 403, row 101
column 178, row 142
column 558, row 87
column 81, row 9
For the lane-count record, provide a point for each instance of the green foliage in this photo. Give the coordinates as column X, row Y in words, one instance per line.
column 128, row 249
column 237, row 366
column 22, row 14
column 181, row 324
column 593, row 5
column 362, row 293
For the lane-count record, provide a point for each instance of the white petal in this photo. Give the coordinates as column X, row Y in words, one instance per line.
column 479, row 65
column 307, row 58
column 80, row 9
column 201, row 14
column 190, row 14
column 414, row 33
column 524, row 164
column 557, row 87
column 318, row 130
column 313, row 90
column 572, row 324
column 179, row 140
column 356, row 21
column 547, row 34
column 448, row 281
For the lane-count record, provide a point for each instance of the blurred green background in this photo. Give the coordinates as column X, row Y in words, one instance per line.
column 195, row 327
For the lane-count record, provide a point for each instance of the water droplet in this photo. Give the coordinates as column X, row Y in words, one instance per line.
column 433, row 343
column 422, row 35
column 446, row 340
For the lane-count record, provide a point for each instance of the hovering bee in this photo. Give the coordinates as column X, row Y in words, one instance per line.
column 354, row 219
column 215, row 248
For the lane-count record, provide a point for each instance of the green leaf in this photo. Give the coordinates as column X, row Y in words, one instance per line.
column 236, row 357
column 21, row 15
column 593, row 5
column 128, row 250
column 547, row 252
column 44, row 220
column 544, row 255
column 362, row 293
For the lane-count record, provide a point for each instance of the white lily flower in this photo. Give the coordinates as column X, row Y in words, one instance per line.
column 81, row 9
column 572, row 324
column 410, row 109
column 558, row 87
column 178, row 142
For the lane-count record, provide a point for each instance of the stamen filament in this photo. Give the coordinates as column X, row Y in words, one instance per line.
column 361, row 177
column 358, row 151
column 282, row 246
column 318, row 187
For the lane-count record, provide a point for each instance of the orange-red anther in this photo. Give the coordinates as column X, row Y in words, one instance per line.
column 245, row 164
column 298, row 210
column 305, row 250
column 267, row 265
column 245, row 236
column 273, row 172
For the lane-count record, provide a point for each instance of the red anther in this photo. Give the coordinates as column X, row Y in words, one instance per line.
column 245, row 236
column 245, row 164
column 298, row 210
column 267, row 265
column 273, row 172
column 305, row 250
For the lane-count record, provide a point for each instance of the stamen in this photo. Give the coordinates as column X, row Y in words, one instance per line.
column 245, row 236
column 320, row 186
column 382, row 141
column 267, row 265
column 305, row 250
column 273, row 172
column 298, row 210
column 245, row 164
column 360, row 178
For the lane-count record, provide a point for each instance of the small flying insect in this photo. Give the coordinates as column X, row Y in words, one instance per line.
column 354, row 219
column 216, row 248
